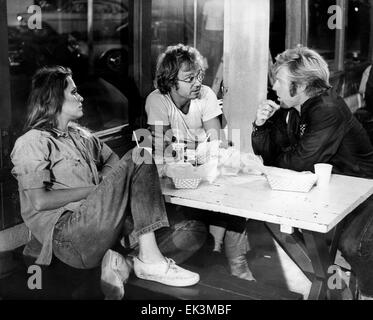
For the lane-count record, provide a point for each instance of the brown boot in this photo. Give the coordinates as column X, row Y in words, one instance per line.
column 239, row 268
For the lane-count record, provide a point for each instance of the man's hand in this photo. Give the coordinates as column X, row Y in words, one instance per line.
column 265, row 110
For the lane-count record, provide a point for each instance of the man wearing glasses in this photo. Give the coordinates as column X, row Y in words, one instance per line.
column 187, row 110
column 180, row 101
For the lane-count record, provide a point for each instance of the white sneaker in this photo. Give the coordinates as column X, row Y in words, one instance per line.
column 166, row 272
column 115, row 271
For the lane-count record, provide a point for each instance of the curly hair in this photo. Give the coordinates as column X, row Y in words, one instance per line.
column 47, row 97
column 171, row 61
column 306, row 67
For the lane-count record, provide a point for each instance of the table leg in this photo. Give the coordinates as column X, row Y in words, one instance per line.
column 311, row 253
column 322, row 257
column 294, row 247
column 335, row 239
column 318, row 252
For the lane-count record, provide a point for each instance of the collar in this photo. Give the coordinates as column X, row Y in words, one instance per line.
column 310, row 101
column 298, row 109
column 58, row 133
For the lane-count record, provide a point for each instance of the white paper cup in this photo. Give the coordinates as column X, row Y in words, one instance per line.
column 323, row 172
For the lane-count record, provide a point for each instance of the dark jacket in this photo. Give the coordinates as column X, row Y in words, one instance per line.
column 369, row 92
column 325, row 132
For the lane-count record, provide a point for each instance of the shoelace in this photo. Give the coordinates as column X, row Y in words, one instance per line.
column 171, row 264
column 116, row 262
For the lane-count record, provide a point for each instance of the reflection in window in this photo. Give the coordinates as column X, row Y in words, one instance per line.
column 211, row 36
column 358, row 31
column 99, row 63
column 175, row 22
column 320, row 37
column 277, row 29
column 172, row 23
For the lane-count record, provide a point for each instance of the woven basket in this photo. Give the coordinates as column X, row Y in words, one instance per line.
column 202, row 157
column 296, row 182
column 186, row 183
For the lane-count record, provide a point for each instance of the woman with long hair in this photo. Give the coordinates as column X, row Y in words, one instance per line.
column 77, row 195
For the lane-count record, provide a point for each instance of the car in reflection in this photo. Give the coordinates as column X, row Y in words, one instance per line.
column 15, row 49
column 106, row 46
column 30, row 49
column 72, row 16
column 105, row 105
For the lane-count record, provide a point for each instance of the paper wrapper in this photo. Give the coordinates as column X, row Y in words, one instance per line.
column 232, row 161
column 209, row 170
column 207, row 151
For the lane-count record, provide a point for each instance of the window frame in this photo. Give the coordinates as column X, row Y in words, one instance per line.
column 297, row 29
column 5, row 101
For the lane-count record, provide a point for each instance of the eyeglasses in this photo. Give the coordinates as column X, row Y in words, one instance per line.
column 192, row 78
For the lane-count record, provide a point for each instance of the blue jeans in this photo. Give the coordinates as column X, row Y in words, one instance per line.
column 128, row 202
column 356, row 245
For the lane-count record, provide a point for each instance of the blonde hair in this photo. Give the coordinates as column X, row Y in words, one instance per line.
column 47, row 97
column 306, row 67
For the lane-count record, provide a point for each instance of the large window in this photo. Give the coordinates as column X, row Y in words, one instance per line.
column 277, row 29
column 358, row 30
column 172, row 23
column 94, row 46
column 197, row 23
column 321, row 37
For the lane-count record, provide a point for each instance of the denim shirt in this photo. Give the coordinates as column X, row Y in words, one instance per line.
column 55, row 160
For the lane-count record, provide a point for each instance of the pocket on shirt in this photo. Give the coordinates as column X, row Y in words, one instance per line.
column 74, row 161
column 66, row 164
column 71, row 171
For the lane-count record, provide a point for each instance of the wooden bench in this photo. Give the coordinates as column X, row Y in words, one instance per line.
column 212, row 286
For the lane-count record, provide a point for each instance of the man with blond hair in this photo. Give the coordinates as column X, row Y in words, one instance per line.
column 313, row 124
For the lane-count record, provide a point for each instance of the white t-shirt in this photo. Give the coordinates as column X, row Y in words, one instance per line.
column 189, row 127
column 214, row 12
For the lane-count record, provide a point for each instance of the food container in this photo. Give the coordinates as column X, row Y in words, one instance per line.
column 288, row 180
column 186, row 183
column 207, row 151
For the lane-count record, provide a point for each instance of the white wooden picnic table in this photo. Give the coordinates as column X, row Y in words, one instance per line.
column 315, row 213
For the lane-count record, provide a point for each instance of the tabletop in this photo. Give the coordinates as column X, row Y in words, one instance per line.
column 251, row 197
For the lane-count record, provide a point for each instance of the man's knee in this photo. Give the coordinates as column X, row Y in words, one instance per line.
column 193, row 226
column 193, row 232
column 199, row 229
column 358, row 232
column 349, row 246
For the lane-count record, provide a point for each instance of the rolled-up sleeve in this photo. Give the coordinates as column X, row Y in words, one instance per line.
column 156, row 110
column 31, row 164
